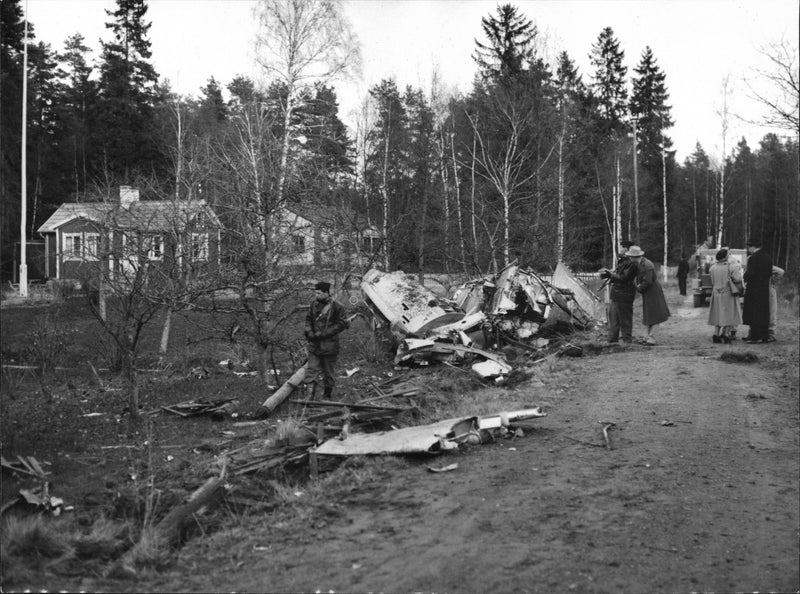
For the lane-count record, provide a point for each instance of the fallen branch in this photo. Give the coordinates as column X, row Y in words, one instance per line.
column 283, row 392
column 167, row 533
column 594, row 445
column 606, row 427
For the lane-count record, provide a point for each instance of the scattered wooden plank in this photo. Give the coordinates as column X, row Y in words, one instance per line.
column 352, row 405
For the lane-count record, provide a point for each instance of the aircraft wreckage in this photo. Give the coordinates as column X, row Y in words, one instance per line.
column 514, row 307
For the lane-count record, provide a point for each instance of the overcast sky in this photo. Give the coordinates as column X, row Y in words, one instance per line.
column 695, row 42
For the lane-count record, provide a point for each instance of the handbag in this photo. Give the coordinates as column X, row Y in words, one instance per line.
column 737, row 287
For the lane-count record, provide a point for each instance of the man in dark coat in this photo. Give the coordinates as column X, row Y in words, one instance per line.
column 756, row 294
column 324, row 322
column 683, row 272
column 654, row 306
column 622, row 295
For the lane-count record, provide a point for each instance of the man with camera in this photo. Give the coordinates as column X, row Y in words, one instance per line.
column 622, row 294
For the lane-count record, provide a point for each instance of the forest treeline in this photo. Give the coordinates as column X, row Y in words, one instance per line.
column 537, row 162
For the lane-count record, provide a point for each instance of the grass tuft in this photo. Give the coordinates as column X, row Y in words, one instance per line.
column 33, row 537
column 106, row 540
column 737, row 357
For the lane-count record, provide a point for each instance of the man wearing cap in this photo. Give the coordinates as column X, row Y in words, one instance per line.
column 324, row 322
column 756, row 293
column 622, row 295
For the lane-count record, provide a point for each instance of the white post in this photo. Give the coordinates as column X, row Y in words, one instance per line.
column 23, row 240
column 664, row 187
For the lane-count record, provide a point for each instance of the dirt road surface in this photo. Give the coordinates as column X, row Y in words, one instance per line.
column 699, row 491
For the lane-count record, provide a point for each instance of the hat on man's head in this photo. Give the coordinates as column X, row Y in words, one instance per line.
column 722, row 254
column 626, row 243
column 323, row 286
column 754, row 243
column 634, row 251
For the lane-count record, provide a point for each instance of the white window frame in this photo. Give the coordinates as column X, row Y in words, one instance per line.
column 155, row 247
column 69, row 251
column 91, row 246
column 199, row 247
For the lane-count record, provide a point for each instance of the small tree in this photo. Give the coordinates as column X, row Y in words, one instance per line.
column 301, row 42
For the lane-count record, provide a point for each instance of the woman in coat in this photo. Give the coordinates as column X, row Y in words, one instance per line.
column 654, row 306
column 724, row 313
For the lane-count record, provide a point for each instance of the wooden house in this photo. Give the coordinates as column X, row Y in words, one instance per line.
column 83, row 239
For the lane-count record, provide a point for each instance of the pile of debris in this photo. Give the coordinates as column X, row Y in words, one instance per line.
column 515, row 307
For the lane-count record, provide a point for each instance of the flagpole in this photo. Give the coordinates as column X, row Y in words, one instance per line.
column 23, row 242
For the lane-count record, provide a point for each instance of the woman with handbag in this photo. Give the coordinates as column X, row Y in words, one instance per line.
column 726, row 286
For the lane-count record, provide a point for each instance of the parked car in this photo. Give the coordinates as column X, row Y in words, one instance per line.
column 704, row 258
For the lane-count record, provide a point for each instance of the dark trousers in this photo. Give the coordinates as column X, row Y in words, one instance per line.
column 620, row 320
column 759, row 332
column 321, row 365
column 682, row 284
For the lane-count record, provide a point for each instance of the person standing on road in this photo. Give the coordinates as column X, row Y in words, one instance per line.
column 777, row 275
column 724, row 313
column 324, row 322
column 756, row 294
column 622, row 295
column 654, row 306
column 683, row 272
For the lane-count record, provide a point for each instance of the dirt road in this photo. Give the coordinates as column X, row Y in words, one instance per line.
column 698, row 493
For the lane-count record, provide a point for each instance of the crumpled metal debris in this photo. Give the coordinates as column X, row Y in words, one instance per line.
column 511, row 307
column 437, row 437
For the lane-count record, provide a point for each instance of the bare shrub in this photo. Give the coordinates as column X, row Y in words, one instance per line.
column 106, row 540
column 48, row 337
column 61, row 290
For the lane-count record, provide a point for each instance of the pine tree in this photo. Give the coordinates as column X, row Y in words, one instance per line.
column 509, row 49
column 649, row 105
column 127, row 88
column 609, row 77
column 212, row 104
column 11, row 47
column 78, row 108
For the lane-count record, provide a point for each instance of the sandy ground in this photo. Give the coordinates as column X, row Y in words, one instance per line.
column 699, row 491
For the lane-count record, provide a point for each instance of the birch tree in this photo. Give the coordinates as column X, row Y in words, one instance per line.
column 298, row 43
column 724, row 117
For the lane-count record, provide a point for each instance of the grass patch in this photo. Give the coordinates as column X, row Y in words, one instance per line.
column 737, row 357
column 33, row 537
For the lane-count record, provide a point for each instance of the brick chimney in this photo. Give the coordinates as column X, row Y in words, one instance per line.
column 127, row 196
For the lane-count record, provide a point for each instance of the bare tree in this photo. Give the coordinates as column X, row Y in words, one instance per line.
column 300, row 42
column 504, row 163
column 781, row 92
column 131, row 272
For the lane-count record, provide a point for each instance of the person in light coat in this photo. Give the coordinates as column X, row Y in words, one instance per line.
column 724, row 313
column 654, row 306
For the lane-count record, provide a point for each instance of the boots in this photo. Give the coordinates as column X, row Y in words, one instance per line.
column 311, row 391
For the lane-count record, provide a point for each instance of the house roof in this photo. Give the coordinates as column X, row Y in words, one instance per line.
column 341, row 217
column 150, row 215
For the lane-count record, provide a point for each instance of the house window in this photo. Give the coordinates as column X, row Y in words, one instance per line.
column 73, row 246
column 81, row 246
column 369, row 243
column 155, row 247
column 199, row 246
column 91, row 245
column 299, row 244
